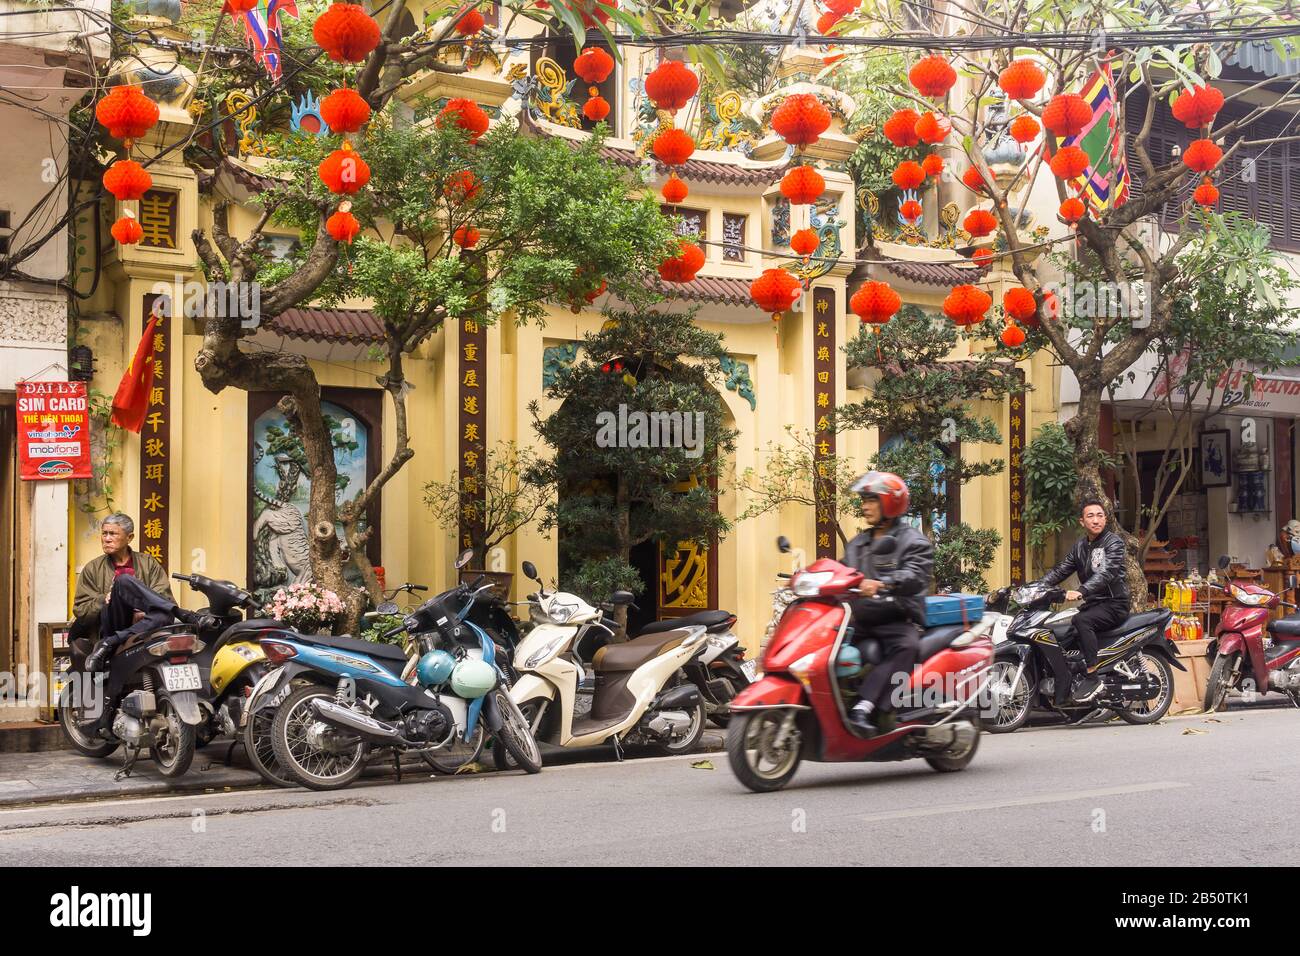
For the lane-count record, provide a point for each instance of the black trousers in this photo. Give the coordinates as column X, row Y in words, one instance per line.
column 129, row 594
column 900, row 640
column 1093, row 619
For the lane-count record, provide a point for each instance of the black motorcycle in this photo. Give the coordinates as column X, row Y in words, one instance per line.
column 1032, row 656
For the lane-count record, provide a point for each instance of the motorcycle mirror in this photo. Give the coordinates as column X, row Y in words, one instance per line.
column 464, row 558
column 621, row 597
column 387, row 607
column 530, row 572
column 783, row 544
column 1223, row 562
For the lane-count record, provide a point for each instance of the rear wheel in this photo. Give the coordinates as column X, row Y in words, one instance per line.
column 962, row 751
column 316, row 757
column 689, row 740
column 78, row 726
column 173, row 749
column 1223, row 676
column 1149, row 711
column 515, row 745
column 762, row 756
column 1011, row 697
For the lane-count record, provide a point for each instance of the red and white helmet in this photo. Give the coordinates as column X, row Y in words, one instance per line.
column 888, row 488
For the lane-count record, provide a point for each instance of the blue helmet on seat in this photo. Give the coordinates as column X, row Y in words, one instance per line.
column 435, row 668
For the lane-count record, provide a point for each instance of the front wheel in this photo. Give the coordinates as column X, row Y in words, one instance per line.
column 260, row 748
column 515, row 745
column 173, row 749
column 1012, row 697
column 459, row 753
column 1223, row 675
column 763, row 749
column 316, row 755
column 1149, row 711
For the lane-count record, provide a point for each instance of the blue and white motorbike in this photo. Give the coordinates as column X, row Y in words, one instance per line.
column 338, row 698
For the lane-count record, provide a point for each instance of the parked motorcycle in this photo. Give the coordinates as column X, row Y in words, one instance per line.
column 1031, row 667
column 798, row 710
column 1244, row 659
column 152, row 689
column 337, row 698
column 642, row 694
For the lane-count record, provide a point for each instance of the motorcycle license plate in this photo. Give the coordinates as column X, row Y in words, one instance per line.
column 181, row 677
column 751, row 670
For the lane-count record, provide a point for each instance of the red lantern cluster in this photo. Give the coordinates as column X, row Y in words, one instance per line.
column 466, row 114
column 900, row 128
column 974, row 180
column 671, row 85
column 932, row 76
column 1202, row 156
column 596, row 108
column 673, row 146
column 127, row 179
column 343, row 171
column 674, row 190
column 126, row 230
column 343, row 226
column 932, row 164
column 1018, row 302
column 1013, row 336
column 980, row 223
column 466, row 237
column 1022, row 80
column 775, row 291
column 683, row 267
column 932, row 128
column 801, row 119
column 1066, row 114
column 344, row 111
column 966, row 305
column 805, row 242
column 238, row 7
column 126, row 113
column 1025, row 129
column 1206, row 194
column 875, row 303
column 1070, row 162
column 1197, row 107
column 1071, row 211
column 346, row 32
column 802, row 185
column 909, row 175
column 593, row 66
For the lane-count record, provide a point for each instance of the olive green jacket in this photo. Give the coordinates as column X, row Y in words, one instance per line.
column 96, row 580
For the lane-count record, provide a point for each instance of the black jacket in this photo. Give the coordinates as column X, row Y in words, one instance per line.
column 907, row 571
column 1100, row 567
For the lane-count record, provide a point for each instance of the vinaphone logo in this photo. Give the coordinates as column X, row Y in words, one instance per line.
column 54, row 469
column 77, row 909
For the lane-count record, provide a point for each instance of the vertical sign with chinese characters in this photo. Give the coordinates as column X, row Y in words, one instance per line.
column 472, row 430
column 158, row 213
column 155, row 440
column 1017, row 484
column 825, row 322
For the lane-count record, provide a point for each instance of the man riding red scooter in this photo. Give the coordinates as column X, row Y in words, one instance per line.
column 1244, row 659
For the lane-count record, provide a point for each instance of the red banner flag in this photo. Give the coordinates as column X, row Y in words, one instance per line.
column 132, row 398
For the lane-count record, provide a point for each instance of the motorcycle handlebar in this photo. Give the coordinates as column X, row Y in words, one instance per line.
column 784, row 576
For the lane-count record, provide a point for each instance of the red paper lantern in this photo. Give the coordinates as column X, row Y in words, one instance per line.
column 974, row 180
column 466, row 237
column 910, row 211
column 932, row 129
column 982, row 256
column 966, row 304
column 127, row 231
column 1022, row 80
column 344, row 111
column 346, row 32
column 597, row 292
column 596, row 108
column 932, row 76
column 471, row 23
column 908, row 175
column 1025, row 129
column 126, row 113
column 1066, row 114
column 236, row 8
column 1019, row 303
column 673, row 146
column 900, row 128
column 775, row 291
column 875, row 303
column 593, row 65
column 805, row 242
column 127, row 179
column 801, row 119
column 342, row 226
column 1072, row 210
column 980, row 223
column 826, row 22
column 683, row 266
column 467, row 115
column 1202, row 156
column 344, row 172
column 932, row 164
column 461, row 186
column 671, row 85
column 674, row 190
column 1207, row 194
column 1070, row 162
column 1197, row 107
column 1013, row 336
column 842, row 7
column 802, row 185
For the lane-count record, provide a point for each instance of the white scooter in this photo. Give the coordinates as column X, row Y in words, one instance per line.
column 642, row 695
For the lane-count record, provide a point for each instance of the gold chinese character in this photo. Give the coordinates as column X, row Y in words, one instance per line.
column 153, row 528
column 824, row 378
column 153, row 447
column 822, row 332
column 154, row 551
column 153, row 473
column 156, row 221
column 1015, row 535
column 823, row 353
column 156, row 396
column 157, row 369
column 466, row 543
column 1015, row 441
column 470, row 484
column 822, row 470
column 469, row 513
column 1015, row 423
column 153, row 503
column 471, row 378
column 1015, row 497
column 823, row 447
column 471, row 352
column 824, row 540
column 154, row 420
column 823, row 424
column 471, row 460
column 823, row 400
column 1015, row 402
column 471, row 326
column 471, row 404
column 159, row 345
column 471, row 431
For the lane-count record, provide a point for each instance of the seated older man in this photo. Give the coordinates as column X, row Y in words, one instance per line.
column 122, row 592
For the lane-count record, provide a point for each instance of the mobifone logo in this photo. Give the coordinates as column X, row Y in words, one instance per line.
column 77, row 909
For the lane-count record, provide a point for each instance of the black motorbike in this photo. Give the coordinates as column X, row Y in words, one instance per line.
column 1033, row 652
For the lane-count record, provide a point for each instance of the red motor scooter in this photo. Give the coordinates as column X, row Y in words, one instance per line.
column 799, row 708
column 1244, row 658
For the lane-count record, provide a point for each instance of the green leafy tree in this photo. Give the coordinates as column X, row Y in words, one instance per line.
column 614, row 493
column 1048, row 461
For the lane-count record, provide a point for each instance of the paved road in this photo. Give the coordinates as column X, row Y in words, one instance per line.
column 1099, row 795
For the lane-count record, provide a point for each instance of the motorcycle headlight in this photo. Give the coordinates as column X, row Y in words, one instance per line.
column 560, row 613
column 1248, row 599
column 545, row 652
column 802, row 666
column 810, row 583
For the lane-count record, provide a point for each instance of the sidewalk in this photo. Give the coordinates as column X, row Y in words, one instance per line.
column 65, row 775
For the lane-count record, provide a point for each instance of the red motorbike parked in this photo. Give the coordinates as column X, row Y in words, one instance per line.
column 1244, row 659
column 799, row 708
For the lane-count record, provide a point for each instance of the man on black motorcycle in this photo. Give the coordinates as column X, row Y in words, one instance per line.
column 1098, row 560
column 901, row 573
